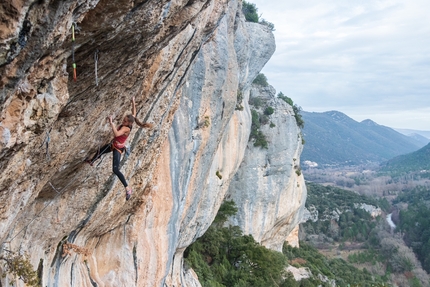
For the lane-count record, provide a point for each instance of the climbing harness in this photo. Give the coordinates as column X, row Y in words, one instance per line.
column 120, row 150
column 59, row 192
column 73, row 52
column 96, row 59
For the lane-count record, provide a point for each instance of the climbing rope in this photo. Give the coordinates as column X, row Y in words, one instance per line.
column 96, row 59
column 100, row 155
column 73, row 52
column 59, row 192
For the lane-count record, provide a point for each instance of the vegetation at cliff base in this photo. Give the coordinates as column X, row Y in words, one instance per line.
column 337, row 270
column 340, row 215
column 225, row 257
column 19, row 266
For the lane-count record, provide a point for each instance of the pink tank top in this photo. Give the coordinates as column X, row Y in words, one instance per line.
column 119, row 142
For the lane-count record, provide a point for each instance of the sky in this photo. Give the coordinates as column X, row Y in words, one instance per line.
column 369, row 59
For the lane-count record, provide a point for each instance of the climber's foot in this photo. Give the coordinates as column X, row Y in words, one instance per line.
column 89, row 161
column 128, row 194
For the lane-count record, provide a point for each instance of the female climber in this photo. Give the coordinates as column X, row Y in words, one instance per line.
column 117, row 145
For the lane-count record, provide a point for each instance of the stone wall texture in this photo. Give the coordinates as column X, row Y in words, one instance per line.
column 185, row 62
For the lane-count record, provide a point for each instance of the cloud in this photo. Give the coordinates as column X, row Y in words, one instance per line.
column 353, row 57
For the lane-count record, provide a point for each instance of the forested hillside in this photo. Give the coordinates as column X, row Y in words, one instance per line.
column 225, row 257
column 341, row 213
column 417, row 161
column 353, row 227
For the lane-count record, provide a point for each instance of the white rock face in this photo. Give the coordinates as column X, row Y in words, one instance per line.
column 299, row 273
column 310, row 214
column 269, row 188
column 373, row 210
column 208, row 136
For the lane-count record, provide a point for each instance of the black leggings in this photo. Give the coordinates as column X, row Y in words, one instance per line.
column 115, row 161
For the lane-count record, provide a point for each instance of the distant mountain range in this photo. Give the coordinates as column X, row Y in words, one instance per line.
column 416, row 161
column 333, row 138
column 417, row 133
column 420, row 138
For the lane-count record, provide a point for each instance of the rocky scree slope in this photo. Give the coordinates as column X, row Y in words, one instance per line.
column 185, row 62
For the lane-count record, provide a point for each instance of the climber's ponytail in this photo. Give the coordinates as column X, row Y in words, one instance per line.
column 143, row 125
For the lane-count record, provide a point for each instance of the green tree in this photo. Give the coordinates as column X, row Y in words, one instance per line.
column 223, row 256
column 19, row 266
column 256, row 134
column 285, row 98
column 299, row 120
column 267, row 24
column 227, row 209
column 250, row 11
column 261, row 80
column 268, row 111
column 415, row 223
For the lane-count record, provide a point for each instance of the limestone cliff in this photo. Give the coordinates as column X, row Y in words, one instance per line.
column 185, row 62
column 269, row 188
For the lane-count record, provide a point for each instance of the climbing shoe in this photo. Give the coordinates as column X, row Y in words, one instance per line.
column 89, row 162
column 128, row 194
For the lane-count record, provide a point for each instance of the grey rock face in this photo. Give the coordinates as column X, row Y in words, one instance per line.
column 310, row 214
column 268, row 188
column 209, row 136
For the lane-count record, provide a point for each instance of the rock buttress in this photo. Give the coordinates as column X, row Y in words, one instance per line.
column 268, row 188
column 191, row 55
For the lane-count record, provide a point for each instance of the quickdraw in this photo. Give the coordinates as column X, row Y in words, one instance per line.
column 96, row 59
column 73, row 53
